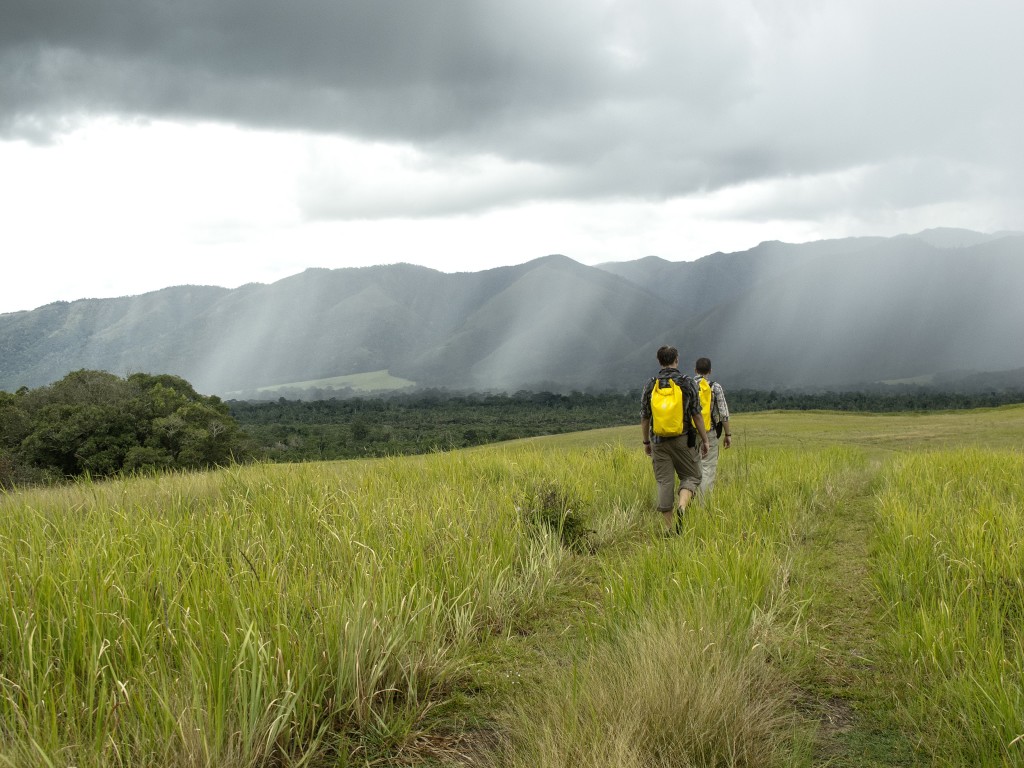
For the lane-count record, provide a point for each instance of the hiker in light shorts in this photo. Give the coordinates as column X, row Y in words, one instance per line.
column 716, row 423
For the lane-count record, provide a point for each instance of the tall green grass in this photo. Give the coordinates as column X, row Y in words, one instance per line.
column 950, row 566
column 681, row 665
column 300, row 614
column 509, row 605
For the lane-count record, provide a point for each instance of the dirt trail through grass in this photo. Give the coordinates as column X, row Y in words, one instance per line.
column 849, row 683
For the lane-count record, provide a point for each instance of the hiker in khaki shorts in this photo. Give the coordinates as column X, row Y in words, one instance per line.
column 670, row 421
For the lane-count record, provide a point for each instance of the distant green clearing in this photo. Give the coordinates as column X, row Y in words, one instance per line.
column 372, row 381
column 923, row 380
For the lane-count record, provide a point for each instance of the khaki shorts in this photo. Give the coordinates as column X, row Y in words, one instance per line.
column 674, row 458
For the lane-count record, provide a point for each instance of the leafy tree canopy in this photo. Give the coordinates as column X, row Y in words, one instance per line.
column 97, row 423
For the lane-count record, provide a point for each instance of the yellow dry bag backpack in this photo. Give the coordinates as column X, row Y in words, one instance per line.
column 704, row 393
column 707, row 398
column 666, row 408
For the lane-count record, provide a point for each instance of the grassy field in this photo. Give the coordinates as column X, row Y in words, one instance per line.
column 373, row 381
column 850, row 595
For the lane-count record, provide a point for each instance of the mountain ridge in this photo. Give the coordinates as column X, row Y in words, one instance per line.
column 833, row 313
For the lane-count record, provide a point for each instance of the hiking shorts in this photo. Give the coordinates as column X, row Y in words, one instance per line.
column 709, row 465
column 674, row 458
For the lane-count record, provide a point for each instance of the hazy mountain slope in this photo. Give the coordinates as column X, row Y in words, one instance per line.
column 832, row 313
column 334, row 322
column 898, row 309
column 137, row 333
column 557, row 322
column 321, row 323
column 694, row 288
column 503, row 327
column 951, row 237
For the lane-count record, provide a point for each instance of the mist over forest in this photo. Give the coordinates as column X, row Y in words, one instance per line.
column 939, row 307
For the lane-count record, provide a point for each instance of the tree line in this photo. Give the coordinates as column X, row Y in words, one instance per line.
column 294, row 430
column 95, row 423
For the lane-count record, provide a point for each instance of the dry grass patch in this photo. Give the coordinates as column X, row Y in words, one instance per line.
column 666, row 694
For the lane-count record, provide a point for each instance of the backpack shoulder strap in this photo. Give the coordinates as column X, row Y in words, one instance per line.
column 716, row 416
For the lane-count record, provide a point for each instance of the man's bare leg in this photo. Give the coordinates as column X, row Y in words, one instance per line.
column 670, row 520
column 684, row 499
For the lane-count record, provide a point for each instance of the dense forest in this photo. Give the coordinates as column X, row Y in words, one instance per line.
column 95, row 423
column 292, row 430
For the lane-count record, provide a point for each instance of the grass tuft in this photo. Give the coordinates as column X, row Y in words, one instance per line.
column 553, row 509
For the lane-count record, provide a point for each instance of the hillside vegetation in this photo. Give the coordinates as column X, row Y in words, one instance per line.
column 850, row 595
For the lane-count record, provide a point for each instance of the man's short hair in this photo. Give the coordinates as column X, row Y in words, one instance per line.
column 668, row 355
column 703, row 366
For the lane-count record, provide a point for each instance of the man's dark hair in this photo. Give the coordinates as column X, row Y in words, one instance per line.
column 668, row 355
column 703, row 366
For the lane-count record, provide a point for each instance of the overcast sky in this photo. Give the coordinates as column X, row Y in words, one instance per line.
column 147, row 143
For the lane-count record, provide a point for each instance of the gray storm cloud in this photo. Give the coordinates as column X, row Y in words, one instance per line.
column 640, row 99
